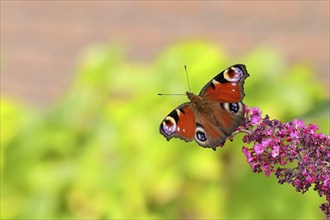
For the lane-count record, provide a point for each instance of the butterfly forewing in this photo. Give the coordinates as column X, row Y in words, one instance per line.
column 179, row 123
column 227, row 86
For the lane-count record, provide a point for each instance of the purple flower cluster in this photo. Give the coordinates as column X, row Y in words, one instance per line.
column 277, row 144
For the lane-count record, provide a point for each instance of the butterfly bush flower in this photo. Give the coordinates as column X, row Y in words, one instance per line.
column 293, row 151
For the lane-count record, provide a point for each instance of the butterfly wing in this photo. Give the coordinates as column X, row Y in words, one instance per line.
column 213, row 129
column 179, row 123
column 224, row 94
column 227, row 86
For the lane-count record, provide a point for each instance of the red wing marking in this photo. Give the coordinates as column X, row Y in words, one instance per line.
column 186, row 123
column 226, row 92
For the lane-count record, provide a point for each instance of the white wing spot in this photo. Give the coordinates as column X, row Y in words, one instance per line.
column 215, row 82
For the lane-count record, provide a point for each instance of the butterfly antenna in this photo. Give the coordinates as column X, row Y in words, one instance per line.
column 170, row 94
column 185, row 68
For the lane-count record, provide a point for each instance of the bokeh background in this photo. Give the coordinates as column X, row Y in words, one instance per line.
column 80, row 112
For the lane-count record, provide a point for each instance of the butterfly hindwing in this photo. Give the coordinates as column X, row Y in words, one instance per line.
column 213, row 129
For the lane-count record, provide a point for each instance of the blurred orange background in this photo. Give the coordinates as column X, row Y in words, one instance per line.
column 40, row 40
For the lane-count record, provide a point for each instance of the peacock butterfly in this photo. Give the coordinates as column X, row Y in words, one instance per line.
column 213, row 115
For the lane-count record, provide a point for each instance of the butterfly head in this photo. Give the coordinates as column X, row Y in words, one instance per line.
column 197, row 100
column 190, row 95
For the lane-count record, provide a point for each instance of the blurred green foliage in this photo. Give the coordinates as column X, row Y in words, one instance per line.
column 97, row 153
